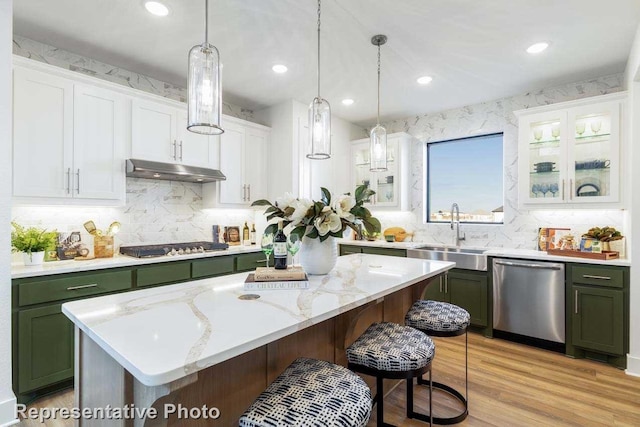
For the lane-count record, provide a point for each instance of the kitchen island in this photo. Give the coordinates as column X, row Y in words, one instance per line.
column 200, row 343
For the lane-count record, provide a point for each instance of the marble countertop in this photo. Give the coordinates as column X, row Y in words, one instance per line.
column 163, row 334
column 493, row 252
column 18, row 270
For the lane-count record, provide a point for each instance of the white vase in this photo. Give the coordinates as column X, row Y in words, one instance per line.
column 318, row 257
column 33, row 258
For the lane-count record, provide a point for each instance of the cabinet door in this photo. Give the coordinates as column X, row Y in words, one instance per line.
column 45, row 347
column 387, row 183
column 255, row 163
column 98, row 144
column 435, row 290
column 597, row 319
column 42, row 134
column 469, row 291
column 542, row 159
column 153, row 132
column 594, row 153
column 193, row 148
column 361, row 164
column 233, row 189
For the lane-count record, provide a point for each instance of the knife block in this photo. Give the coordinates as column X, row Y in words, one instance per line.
column 103, row 246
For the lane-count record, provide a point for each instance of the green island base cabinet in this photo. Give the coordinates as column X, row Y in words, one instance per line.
column 597, row 304
column 43, row 337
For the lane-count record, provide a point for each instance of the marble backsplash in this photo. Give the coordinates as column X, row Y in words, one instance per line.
column 520, row 226
column 155, row 212
column 61, row 58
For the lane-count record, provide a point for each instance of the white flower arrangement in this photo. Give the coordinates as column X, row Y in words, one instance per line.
column 324, row 218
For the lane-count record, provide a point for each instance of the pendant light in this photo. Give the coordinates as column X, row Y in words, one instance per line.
column 378, row 142
column 319, row 118
column 204, row 87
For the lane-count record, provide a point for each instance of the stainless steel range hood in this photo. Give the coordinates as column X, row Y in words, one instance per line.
column 172, row 172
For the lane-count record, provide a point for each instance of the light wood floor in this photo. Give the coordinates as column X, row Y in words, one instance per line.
column 509, row 385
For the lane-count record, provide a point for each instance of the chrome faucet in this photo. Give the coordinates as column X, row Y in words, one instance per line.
column 456, row 209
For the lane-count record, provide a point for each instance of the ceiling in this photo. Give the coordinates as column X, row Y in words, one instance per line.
column 474, row 50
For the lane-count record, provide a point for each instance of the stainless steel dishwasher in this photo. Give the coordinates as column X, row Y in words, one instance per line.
column 529, row 298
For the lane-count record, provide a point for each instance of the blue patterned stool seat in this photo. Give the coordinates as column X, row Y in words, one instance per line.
column 437, row 316
column 311, row 393
column 391, row 347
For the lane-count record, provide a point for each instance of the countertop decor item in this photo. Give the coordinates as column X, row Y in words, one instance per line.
column 32, row 242
column 319, row 117
column 604, row 255
column 204, row 88
column 378, row 135
column 317, row 222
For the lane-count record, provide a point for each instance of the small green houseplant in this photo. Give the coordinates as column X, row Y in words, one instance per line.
column 32, row 242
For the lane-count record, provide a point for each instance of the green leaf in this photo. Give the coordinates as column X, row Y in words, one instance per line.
column 274, row 215
column 326, row 196
column 358, row 193
column 318, row 206
column 261, row 202
column 271, row 229
column 299, row 231
column 325, row 237
column 372, row 225
column 288, row 211
column 313, row 234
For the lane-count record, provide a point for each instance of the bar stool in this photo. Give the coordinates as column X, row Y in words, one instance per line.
column 392, row 351
column 441, row 319
column 311, row 393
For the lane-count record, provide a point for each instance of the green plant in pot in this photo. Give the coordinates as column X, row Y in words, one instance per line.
column 32, row 242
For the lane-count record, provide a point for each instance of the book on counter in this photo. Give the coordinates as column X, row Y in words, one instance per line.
column 270, row 274
column 250, row 284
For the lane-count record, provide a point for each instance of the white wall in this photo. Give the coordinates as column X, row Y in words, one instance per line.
column 7, row 399
column 632, row 84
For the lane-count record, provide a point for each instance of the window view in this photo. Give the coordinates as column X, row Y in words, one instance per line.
column 468, row 172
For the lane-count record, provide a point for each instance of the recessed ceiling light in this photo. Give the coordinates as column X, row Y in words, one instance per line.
column 537, row 47
column 279, row 68
column 348, row 101
column 156, row 8
column 424, row 80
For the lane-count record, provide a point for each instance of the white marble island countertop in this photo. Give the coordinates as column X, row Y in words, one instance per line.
column 163, row 334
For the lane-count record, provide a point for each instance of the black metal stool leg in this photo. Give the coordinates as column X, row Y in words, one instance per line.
column 379, row 400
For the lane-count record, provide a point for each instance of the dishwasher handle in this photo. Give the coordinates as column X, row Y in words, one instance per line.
column 528, row 265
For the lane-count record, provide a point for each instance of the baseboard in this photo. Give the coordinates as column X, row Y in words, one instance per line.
column 633, row 365
column 8, row 413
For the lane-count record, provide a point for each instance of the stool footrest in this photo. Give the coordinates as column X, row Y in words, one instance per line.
column 443, row 420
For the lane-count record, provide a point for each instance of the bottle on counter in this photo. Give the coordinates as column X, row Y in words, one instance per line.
column 252, row 234
column 245, row 235
column 280, row 248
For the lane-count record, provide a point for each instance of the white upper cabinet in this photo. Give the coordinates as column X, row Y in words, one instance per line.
column 69, row 140
column 159, row 133
column 569, row 153
column 391, row 186
column 242, row 156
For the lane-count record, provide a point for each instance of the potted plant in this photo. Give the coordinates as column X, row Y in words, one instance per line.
column 32, row 242
column 317, row 223
column 611, row 239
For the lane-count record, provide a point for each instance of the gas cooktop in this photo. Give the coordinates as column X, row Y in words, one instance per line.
column 171, row 249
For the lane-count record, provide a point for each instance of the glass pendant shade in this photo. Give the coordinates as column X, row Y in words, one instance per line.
column 204, row 90
column 319, row 129
column 378, row 146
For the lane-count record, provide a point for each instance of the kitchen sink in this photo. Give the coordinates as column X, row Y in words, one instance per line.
column 468, row 259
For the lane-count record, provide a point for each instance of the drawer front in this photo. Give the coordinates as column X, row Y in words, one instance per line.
column 597, row 275
column 56, row 288
column 163, row 273
column 349, row 249
column 247, row 262
column 212, row 267
column 385, row 251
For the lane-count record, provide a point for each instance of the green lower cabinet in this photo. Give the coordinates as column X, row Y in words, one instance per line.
column 384, row 251
column 350, row 249
column 45, row 347
column 248, row 262
column 209, row 267
column 466, row 289
column 470, row 291
column 165, row 273
column 597, row 319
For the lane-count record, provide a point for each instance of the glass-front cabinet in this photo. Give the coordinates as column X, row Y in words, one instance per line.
column 391, row 186
column 569, row 153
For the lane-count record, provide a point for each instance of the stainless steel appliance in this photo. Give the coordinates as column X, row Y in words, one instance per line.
column 171, row 249
column 467, row 259
column 529, row 298
column 173, row 172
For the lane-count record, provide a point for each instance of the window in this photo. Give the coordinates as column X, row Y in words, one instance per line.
column 468, row 172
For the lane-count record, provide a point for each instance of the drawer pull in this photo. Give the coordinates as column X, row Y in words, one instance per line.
column 75, row 288
column 590, row 276
column 261, row 261
column 576, row 302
